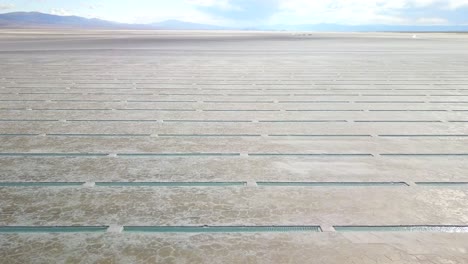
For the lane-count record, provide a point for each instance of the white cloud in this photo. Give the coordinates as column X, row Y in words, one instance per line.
column 221, row 4
column 6, row 6
column 448, row 4
column 338, row 11
column 331, row 11
column 348, row 12
column 93, row 6
column 359, row 11
column 188, row 15
column 455, row 4
column 60, row 12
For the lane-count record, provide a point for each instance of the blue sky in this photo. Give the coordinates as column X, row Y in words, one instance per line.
column 257, row 12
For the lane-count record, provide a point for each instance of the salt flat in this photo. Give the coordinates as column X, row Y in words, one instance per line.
column 233, row 147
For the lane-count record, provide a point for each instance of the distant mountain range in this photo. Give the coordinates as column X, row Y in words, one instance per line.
column 36, row 19
column 41, row 20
